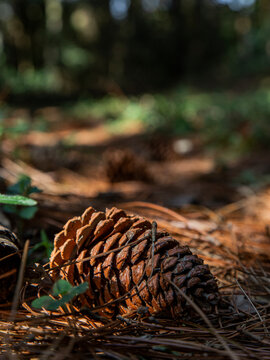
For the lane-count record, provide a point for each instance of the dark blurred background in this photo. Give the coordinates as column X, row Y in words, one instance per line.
column 132, row 46
column 197, row 71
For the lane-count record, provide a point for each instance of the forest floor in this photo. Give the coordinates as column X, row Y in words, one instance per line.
column 79, row 163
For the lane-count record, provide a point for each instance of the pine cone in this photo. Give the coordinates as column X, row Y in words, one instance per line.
column 161, row 149
column 49, row 158
column 9, row 264
column 124, row 165
column 123, row 271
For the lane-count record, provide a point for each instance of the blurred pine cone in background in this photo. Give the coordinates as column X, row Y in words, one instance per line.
column 161, row 148
column 125, row 269
column 50, row 158
column 124, row 165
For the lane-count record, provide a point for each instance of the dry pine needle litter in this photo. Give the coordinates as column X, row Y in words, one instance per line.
column 129, row 264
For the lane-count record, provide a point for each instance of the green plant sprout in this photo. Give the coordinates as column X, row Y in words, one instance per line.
column 18, row 196
column 63, row 292
column 45, row 245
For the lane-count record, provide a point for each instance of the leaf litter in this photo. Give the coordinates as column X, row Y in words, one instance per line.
column 233, row 239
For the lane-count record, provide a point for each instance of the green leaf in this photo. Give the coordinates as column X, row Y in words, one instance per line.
column 44, row 238
column 65, row 299
column 160, row 348
column 33, row 190
column 80, row 289
column 27, row 213
column 44, row 244
column 10, row 209
column 21, row 186
column 48, row 245
column 45, row 302
column 61, row 287
column 75, row 291
column 17, row 200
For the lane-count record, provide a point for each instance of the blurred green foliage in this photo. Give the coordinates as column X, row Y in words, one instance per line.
column 19, row 126
column 30, row 80
column 52, row 50
column 225, row 119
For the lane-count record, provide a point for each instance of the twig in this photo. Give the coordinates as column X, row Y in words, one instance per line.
column 16, row 298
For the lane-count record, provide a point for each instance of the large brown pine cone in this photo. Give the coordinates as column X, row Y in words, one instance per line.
column 9, row 264
column 122, row 265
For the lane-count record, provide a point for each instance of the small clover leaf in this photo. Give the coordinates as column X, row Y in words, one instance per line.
column 45, row 302
column 28, row 212
column 64, row 290
column 23, row 186
column 80, row 289
column 61, row 287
